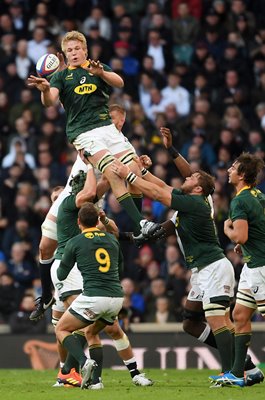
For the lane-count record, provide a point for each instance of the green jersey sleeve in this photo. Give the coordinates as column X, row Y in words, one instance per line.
column 237, row 210
column 68, row 261
column 57, row 81
column 183, row 202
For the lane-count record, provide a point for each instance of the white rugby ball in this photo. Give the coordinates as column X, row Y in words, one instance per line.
column 47, row 65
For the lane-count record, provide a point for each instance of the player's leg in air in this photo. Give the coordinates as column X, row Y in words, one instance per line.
column 101, row 150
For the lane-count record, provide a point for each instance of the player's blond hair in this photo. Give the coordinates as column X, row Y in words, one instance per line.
column 73, row 35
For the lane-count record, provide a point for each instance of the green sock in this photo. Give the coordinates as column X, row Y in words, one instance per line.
column 70, row 361
column 233, row 345
column 241, row 347
column 223, row 340
column 129, row 206
column 96, row 353
column 74, row 347
column 138, row 200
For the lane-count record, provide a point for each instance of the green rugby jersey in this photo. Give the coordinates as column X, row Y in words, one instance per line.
column 85, row 99
column 66, row 224
column 249, row 205
column 196, row 230
column 99, row 259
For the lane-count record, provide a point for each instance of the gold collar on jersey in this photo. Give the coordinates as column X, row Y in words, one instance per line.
column 90, row 229
column 243, row 188
column 85, row 64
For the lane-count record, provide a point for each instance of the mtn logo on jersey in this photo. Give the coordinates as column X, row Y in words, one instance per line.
column 86, row 88
column 91, row 235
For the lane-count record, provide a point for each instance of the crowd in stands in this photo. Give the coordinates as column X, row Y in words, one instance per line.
column 195, row 66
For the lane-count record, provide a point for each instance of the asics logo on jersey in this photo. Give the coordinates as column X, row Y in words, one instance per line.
column 82, row 80
column 255, row 290
column 87, row 88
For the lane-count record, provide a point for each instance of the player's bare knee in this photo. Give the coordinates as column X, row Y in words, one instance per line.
column 114, row 331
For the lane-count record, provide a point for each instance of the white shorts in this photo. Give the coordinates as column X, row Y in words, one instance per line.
column 215, row 280
column 73, row 284
column 58, row 305
column 79, row 165
column 92, row 308
column 103, row 138
column 253, row 279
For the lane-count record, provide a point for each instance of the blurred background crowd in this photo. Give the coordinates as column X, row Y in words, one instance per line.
column 194, row 66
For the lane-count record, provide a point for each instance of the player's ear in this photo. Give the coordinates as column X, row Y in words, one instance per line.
column 198, row 189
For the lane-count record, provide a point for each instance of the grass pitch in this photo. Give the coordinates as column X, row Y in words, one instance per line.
column 169, row 384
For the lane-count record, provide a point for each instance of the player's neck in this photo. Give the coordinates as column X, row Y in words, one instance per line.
column 241, row 186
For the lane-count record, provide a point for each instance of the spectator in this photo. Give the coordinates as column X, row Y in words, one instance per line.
column 134, row 299
column 23, row 63
column 174, row 93
column 37, row 46
column 9, row 296
column 17, row 145
column 21, row 232
column 19, row 19
column 19, row 320
column 162, row 312
column 185, row 31
column 157, row 289
column 97, row 18
column 22, row 270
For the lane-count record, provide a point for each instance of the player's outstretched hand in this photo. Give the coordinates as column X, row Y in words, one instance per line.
column 166, row 136
column 62, row 65
column 39, row 83
column 95, row 67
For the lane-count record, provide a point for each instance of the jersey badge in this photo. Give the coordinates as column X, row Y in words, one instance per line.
column 70, row 76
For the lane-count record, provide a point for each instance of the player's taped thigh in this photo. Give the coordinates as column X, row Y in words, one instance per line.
column 49, row 229
column 216, row 309
column 127, row 158
column 261, row 308
column 192, row 315
column 104, row 162
column 55, row 321
column 122, row 344
column 246, row 299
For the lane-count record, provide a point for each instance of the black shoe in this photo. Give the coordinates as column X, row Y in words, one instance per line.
column 41, row 307
column 152, row 230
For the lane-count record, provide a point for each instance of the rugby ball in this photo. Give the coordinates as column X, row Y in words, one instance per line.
column 47, row 65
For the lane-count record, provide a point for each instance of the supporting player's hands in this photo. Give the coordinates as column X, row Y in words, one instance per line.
column 238, row 250
column 143, row 161
column 95, row 68
column 166, row 136
column 228, row 226
column 39, row 83
column 120, row 169
column 146, row 161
